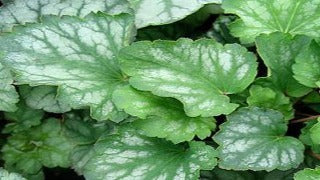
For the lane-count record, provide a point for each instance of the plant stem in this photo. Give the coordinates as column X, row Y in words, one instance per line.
column 304, row 119
column 317, row 156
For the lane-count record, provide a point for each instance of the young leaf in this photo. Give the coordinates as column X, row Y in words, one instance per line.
column 5, row 175
column 268, row 98
column 253, row 139
column 308, row 174
column 267, row 16
column 305, row 136
column 43, row 145
column 161, row 117
column 78, row 55
column 307, row 66
column 157, row 12
column 8, row 95
column 22, row 119
column 22, row 11
column 43, row 97
column 128, row 154
column 279, row 58
column 197, row 73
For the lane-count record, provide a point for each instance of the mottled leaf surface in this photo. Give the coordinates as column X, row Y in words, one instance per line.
column 308, row 174
column 5, row 175
column 253, row 139
column 267, row 16
column 198, row 73
column 162, row 117
column 158, row 12
column 43, row 145
column 43, row 97
column 307, row 67
column 129, row 155
column 78, row 55
column 279, row 58
column 23, row 11
column 8, row 95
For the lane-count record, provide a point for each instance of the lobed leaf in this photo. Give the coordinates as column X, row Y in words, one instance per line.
column 253, row 139
column 78, row 55
column 268, row 16
column 308, row 174
column 128, row 154
column 198, row 73
column 162, row 117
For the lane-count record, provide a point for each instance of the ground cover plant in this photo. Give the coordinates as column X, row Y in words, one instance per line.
column 160, row 89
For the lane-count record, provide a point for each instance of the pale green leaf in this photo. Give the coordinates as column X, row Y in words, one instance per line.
column 266, row 97
column 267, row 16
column 8, row 95
column 22, row 119
column 158, row 12
column 280, row 57
column 307, row 66
column 43, row 145
column 129, row 155
column 305, row 136
column 308, row 174
column 162, row 117
column 5, row 175
column 23, row 11
column 253, row 139
column 198, row 73
column 43, row 97
column 78, row 55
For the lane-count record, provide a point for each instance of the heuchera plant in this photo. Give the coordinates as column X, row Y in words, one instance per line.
column 160, row 89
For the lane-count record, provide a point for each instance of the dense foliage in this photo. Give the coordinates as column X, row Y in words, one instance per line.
column 160, row 89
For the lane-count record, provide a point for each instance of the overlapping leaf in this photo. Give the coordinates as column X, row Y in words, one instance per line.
column 198, row 73
column 162, row 117
column 43, row 97
column 129, row 155
column 267, row 16
column 8, row 95
column 43, row 145
column 157, row 12
column 79, row 55
column 253, row 139
column 278, row 51
column 307, row 67
column 23, row 11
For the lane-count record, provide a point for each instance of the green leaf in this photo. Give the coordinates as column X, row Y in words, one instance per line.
column 43, row 145
column 253, row 139
column 280, row 57
column 308, row 174
column 8, row 95
column 83, row 134
column 43, row 97
column 221, row 174
column 5, row 175
column 267, row 16
column 197, row 73
column 158, row 12
column 78, row 55
column 162, row 117
column 307, row 66
column 22, row 119
column 22, row 11
column 268, row 98
column 128, row 154
column 305, row 136
column 315, row 133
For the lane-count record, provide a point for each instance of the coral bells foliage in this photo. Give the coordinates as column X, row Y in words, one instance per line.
column 160, row 89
